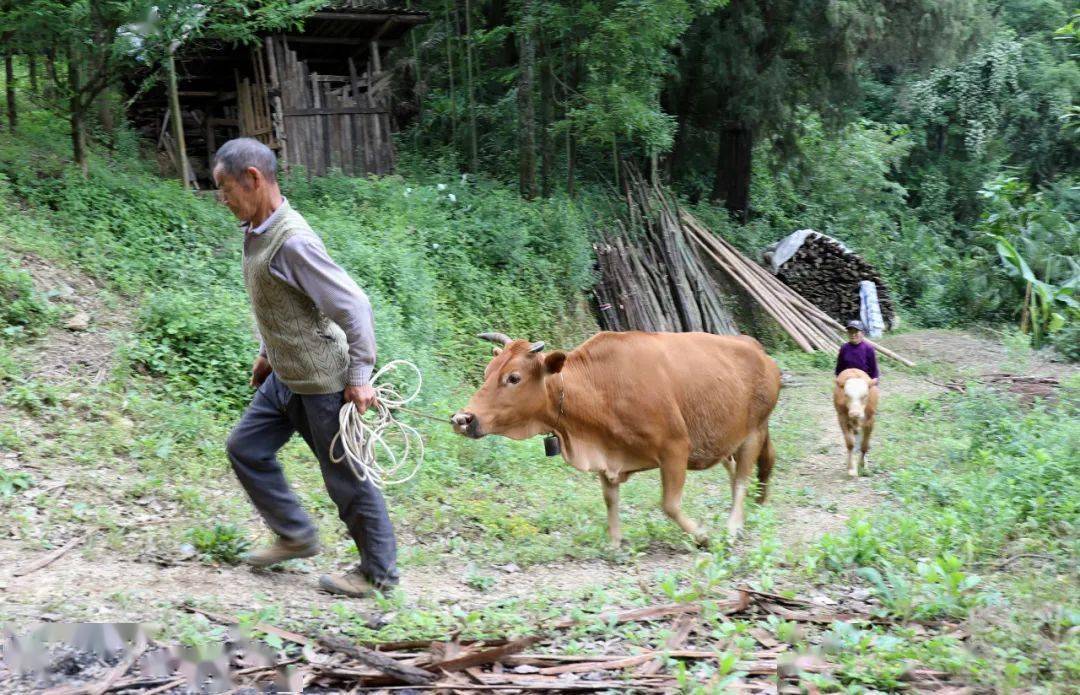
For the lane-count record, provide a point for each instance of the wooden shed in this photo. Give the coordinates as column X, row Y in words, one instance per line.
column 319, row 97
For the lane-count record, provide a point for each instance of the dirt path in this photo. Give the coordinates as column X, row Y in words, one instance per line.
column 100, row 582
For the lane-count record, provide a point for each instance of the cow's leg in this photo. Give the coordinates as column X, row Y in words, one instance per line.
column 765, row 461
column 729, row 466
column 745, row 457
column 672, row 479
column 611, row 499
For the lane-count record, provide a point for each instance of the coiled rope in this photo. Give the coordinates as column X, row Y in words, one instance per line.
column 383, row 449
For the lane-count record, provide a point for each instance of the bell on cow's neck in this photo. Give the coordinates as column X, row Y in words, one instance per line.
column 552, row 445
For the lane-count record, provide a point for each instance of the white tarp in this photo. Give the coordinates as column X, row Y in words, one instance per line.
column 870, row 310
column 781, row 252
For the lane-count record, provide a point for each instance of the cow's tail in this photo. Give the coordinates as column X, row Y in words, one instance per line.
column 766, row 459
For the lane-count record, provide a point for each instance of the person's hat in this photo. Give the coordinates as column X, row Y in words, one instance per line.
column 855, row 325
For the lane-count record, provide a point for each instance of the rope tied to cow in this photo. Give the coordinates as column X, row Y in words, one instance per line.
column 382, row 449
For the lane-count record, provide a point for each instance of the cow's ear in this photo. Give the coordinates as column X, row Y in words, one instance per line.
column 496, row 351
column 554, row 361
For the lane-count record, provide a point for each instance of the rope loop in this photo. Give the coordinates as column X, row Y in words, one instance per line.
column 382, row 450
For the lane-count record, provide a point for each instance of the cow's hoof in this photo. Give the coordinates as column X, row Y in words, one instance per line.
column 618, row 552
column 701, row 541
column 853, row 474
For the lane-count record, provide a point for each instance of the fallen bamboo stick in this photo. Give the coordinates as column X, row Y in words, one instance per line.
column 605, row 665
column 51, row 557
column 399, row 671
column 675, row 640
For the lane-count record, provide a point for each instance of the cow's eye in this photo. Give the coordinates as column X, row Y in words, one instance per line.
column 514, row 378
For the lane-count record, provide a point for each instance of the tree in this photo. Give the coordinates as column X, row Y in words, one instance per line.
column 526, row 108
column 747, row 68
column 625, row 51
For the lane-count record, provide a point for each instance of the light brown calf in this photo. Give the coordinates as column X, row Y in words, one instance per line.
column 627, row 402
column 855, row 398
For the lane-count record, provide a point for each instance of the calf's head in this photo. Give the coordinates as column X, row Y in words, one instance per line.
column 856, row 393
column 513, row 400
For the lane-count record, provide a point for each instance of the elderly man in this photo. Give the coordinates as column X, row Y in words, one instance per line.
column 318, row 349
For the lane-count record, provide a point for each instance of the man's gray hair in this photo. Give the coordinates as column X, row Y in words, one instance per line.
column 235, row 156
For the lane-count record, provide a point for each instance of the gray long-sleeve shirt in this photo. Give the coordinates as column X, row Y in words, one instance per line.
column 304, row 265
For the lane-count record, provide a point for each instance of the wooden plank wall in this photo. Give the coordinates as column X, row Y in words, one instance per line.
column 253, row 102
column 327, row 122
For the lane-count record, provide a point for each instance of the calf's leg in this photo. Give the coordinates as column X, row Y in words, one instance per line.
column 849, row 442
column 611, row 499
column 864, row 446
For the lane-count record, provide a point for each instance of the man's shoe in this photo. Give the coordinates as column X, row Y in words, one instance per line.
column 351, row 584
column 282, row 550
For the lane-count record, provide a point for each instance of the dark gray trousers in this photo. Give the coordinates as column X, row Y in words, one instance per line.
column 275, row 414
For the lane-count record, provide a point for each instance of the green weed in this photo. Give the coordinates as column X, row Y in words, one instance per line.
column 12, row 482
column 220, row 543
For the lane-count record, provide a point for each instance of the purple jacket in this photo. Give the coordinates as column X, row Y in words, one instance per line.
column 861, row 356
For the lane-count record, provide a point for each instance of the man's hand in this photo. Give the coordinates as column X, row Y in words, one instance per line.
column 260, row 370
column 363, row 397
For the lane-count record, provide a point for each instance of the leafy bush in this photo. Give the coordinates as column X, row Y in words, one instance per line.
column 22, row 308
column 1067, row 340
column 204, row 346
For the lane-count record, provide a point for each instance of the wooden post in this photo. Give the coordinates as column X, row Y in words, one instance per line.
column 177, row 121
column 278, row 112
column 373, row 68
column 355, row 122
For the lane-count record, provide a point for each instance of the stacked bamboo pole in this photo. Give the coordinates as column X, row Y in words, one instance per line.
column 810, row 327
column 651, row 276
column 654, row 277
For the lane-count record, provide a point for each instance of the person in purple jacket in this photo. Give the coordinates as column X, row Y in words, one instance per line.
column 857, row 353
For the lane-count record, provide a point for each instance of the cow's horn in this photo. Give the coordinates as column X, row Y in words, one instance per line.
column 497, row 338
column 537, row 346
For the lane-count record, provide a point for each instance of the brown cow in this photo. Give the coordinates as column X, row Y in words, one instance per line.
column 627, row 402
column 855, row 398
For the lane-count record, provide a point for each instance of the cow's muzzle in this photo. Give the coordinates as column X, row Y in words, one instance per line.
column 466, row 424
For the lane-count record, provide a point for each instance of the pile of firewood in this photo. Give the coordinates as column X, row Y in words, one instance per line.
column 828, row 274
column 651, row 276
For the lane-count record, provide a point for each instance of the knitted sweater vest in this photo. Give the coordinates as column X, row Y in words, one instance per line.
column 308, row 351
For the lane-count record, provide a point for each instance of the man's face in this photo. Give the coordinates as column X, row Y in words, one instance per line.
column 854, row 336
column 239, row 195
